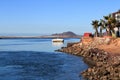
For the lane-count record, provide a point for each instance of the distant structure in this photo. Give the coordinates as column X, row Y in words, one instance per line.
column 116, row 15
column 87, row 34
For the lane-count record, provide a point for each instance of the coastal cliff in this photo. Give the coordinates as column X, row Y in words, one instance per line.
column 101, row 54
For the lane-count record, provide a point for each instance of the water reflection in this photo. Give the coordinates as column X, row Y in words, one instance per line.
column 57, row 44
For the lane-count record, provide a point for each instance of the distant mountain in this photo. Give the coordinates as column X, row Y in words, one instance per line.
column 67, row 34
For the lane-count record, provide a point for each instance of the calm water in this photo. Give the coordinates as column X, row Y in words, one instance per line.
column 35, row 59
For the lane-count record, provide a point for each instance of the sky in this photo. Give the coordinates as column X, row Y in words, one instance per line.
column 53, row 16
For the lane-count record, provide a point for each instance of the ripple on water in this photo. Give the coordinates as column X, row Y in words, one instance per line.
column 30, row 65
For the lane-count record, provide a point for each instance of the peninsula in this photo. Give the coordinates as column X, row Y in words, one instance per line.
column 67, row 34
column 101, row 50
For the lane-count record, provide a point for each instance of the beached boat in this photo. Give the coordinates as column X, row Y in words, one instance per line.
column 57, row 40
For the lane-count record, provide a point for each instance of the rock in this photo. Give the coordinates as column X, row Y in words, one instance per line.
column 70, row 44
column 107, row 40
column 99, row 64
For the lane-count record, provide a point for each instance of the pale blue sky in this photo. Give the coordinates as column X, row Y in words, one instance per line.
column 53, row 16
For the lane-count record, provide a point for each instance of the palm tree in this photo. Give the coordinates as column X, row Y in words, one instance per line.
column 95, row 24
column 102, row 26
column 106, row 24
column 111, row 23
column 109, row 26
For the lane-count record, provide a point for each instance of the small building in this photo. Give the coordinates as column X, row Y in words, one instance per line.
column 116, row 15
column 87, row 34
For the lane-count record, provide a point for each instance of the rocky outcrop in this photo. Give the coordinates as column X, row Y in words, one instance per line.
column 103, row 65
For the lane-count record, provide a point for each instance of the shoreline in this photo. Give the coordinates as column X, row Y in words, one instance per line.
column 104, row 64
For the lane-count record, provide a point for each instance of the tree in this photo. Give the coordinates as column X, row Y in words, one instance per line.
column 95, row 24
column 102, row 26
column 110, row 24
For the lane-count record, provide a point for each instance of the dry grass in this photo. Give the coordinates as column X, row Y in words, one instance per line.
column 113, row 47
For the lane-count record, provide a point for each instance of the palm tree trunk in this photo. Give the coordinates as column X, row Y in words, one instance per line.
column 109, row 32
column 101, row 32
column 97, row 34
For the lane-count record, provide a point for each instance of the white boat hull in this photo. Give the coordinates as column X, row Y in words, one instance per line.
column 57, row 40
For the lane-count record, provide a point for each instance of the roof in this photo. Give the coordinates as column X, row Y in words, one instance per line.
column 87, row 34
column 116, row 12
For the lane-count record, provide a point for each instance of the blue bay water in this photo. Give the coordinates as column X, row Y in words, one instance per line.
column 35, row 59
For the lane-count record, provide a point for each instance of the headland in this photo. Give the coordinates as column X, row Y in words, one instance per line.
column 102, row 54
column 68, row 34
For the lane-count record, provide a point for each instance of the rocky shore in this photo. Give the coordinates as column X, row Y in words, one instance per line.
column 96, row 52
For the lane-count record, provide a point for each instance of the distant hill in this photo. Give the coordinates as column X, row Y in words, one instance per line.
column 67, row 34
